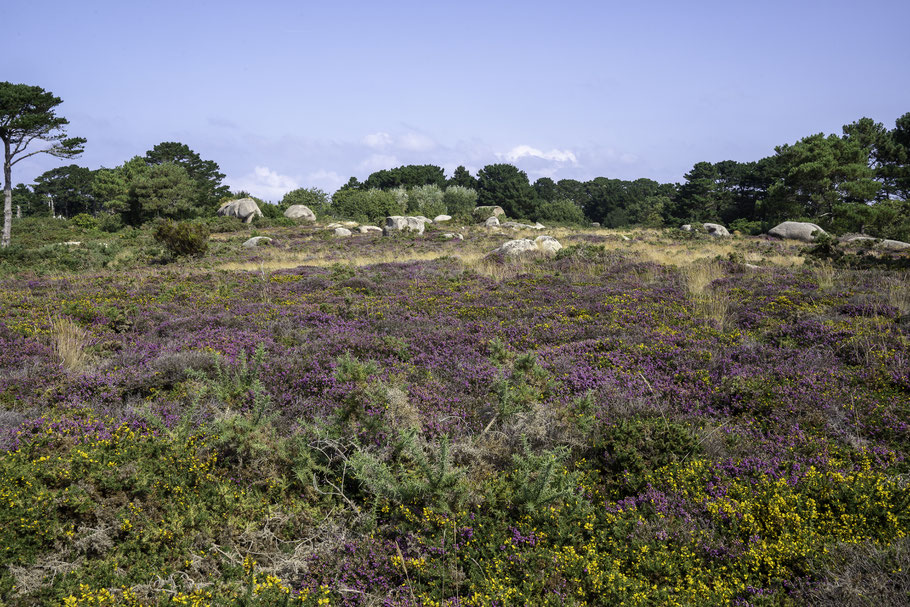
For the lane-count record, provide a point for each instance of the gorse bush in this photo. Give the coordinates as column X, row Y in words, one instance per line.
column 183, row 238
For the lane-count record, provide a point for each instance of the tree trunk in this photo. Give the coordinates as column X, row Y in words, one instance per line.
column 7, row 195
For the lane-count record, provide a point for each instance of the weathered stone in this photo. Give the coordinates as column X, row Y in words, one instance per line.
column 516, row 247
column 541, row 244
column 491, row 222
column 442, row 218
column 547, row 244
column 892, row 246
column 342, row 232
column 299, row 211
column 686, row 227
column 398, row 223
column 453, row 235
column 595, row 224
column 349, row 224
column 715, row 229
column 482, row 213
column 366, row 229
column 245, row 209
column 797, row 230
column 255, row 241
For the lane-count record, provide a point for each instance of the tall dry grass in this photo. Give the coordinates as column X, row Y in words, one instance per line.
column 897, row 291
column 707, row 301
column 825, row 275
column 70, row 342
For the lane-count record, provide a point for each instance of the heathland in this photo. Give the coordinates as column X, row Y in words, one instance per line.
column 647, row 417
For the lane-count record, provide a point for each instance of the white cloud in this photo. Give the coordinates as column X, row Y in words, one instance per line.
column 328, row 181
column 265, row 183
column 378, row 140
column 375, row 162
column 415, row 142
column 522, row 151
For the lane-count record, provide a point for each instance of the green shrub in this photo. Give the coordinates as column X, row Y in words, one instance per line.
column 561, row 211
column 109, row 222
column 744, row 226
column 426, row 200
column 314, row 198
column 183, row 238
column 84, row 221
column 459, row 200
column 365, row 205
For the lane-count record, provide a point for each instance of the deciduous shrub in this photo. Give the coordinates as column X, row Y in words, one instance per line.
column 365, row 205
column 459, row 200
column 183, row 238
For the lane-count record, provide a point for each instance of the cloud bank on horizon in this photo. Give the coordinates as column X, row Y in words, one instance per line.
column 325, row 91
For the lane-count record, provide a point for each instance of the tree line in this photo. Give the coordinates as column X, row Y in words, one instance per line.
column 857, row 181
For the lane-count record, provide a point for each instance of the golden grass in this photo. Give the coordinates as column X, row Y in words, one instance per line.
column 70, row 341
column 898, row 293
column 825, row 275
column 707, row 301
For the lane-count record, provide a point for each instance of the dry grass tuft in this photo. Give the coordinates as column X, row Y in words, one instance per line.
column 825, row 275
column 707, row 300
column 70, row 341
column 898, row 293
column 699, row 276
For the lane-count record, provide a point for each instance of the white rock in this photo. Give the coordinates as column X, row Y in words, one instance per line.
column 442, row 218
column 516, row 247
column 482, row 213
column 342, row 232
column 547, row 244
column 491, row 222
column 255, row 241
column 797, row 230
column 894, row 246
column 299, row 211
column 398, row 223
column 366, row 229
column 715, row 229
column 242, row 208
column 451, row 235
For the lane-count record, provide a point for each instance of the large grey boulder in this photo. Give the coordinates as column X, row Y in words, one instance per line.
column 512, row 248
column 892, row 246
column 368, row 229
column 715, row 229
column 442, row 218
column 398, row 223
column 342, row 232
column 299, row 211
column 492, row 222
column 255, row 241
column 482, row 213
column 245, row 209
column 547, row 244
column 517, row 226
column 797, row 230
column 541, row 244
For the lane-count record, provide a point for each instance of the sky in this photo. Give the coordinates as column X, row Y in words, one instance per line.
column 285, row 94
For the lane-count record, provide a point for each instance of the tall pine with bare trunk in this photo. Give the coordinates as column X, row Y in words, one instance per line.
column 27, row 117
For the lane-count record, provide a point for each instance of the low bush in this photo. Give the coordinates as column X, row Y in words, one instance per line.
column 183, row 238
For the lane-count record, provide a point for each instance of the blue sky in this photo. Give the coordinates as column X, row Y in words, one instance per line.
column 290, row 94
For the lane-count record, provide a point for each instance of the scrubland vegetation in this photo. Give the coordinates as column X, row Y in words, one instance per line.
column 643, row 419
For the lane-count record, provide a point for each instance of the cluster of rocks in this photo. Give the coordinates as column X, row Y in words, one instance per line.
column 541, row 244
column 244, row 209
column 713, row 229
column 881, row 244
